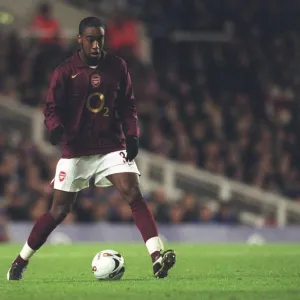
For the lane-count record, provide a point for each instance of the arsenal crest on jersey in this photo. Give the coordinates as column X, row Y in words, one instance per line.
column 95, row 80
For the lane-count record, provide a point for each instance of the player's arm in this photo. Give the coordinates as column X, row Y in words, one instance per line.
column 128, row 114
column 55, row 105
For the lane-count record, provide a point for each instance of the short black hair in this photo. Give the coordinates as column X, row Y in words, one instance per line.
column 89, row 22
column 45, row 8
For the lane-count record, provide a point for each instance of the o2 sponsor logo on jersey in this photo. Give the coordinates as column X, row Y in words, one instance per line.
column 95, row 80
column 61, row 176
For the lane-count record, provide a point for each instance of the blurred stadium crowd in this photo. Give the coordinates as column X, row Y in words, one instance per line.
column 230, row 108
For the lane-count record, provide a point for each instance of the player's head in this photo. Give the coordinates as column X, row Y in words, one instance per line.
column 45, row 10
column 91, row 38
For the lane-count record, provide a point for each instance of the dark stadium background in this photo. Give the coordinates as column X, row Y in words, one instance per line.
column 217, row 84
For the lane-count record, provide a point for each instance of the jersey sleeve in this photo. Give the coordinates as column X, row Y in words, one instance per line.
column 128, row 111
column 56, row 99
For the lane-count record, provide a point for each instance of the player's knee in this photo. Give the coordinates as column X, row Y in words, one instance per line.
column 131, row 192
column 60, row 212
column 62, row 204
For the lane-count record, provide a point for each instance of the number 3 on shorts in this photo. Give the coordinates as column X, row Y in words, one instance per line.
column 123, row 156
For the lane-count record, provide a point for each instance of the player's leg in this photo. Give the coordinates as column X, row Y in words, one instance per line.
column 129, row 187
column 62, row 204
column 72, row 175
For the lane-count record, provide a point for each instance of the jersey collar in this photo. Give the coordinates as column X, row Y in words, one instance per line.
column 79, row 63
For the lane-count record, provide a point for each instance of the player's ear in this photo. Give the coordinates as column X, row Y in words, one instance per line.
column 79, row 39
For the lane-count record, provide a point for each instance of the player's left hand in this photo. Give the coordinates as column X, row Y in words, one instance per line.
column 56, row 135
column 132, row 147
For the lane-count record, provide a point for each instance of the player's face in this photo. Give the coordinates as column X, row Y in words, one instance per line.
column 91, row 42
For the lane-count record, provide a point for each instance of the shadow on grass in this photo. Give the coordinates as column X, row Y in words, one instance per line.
column 93, row 281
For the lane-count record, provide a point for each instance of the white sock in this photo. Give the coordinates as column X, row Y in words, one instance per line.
column 26, row 253
column 154, row 244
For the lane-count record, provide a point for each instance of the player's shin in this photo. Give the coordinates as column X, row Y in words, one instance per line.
column 38, row 236
column 145, row 222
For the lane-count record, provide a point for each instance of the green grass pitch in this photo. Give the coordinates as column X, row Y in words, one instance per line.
column 213, row 272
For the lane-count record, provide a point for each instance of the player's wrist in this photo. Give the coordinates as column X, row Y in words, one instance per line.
column 132, row 138
column 60, row 128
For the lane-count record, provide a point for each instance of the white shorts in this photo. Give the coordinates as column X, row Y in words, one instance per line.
column 74, row 174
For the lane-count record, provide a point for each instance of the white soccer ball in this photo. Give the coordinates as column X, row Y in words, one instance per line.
column 108, row 265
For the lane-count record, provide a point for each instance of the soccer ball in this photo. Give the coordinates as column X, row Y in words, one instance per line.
column 108, row 265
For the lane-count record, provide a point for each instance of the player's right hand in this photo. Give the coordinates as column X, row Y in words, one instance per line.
column 56, row 135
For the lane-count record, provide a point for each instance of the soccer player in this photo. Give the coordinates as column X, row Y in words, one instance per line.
column 91, row 111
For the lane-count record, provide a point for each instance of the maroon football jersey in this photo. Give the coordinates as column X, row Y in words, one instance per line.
column 96, row 106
